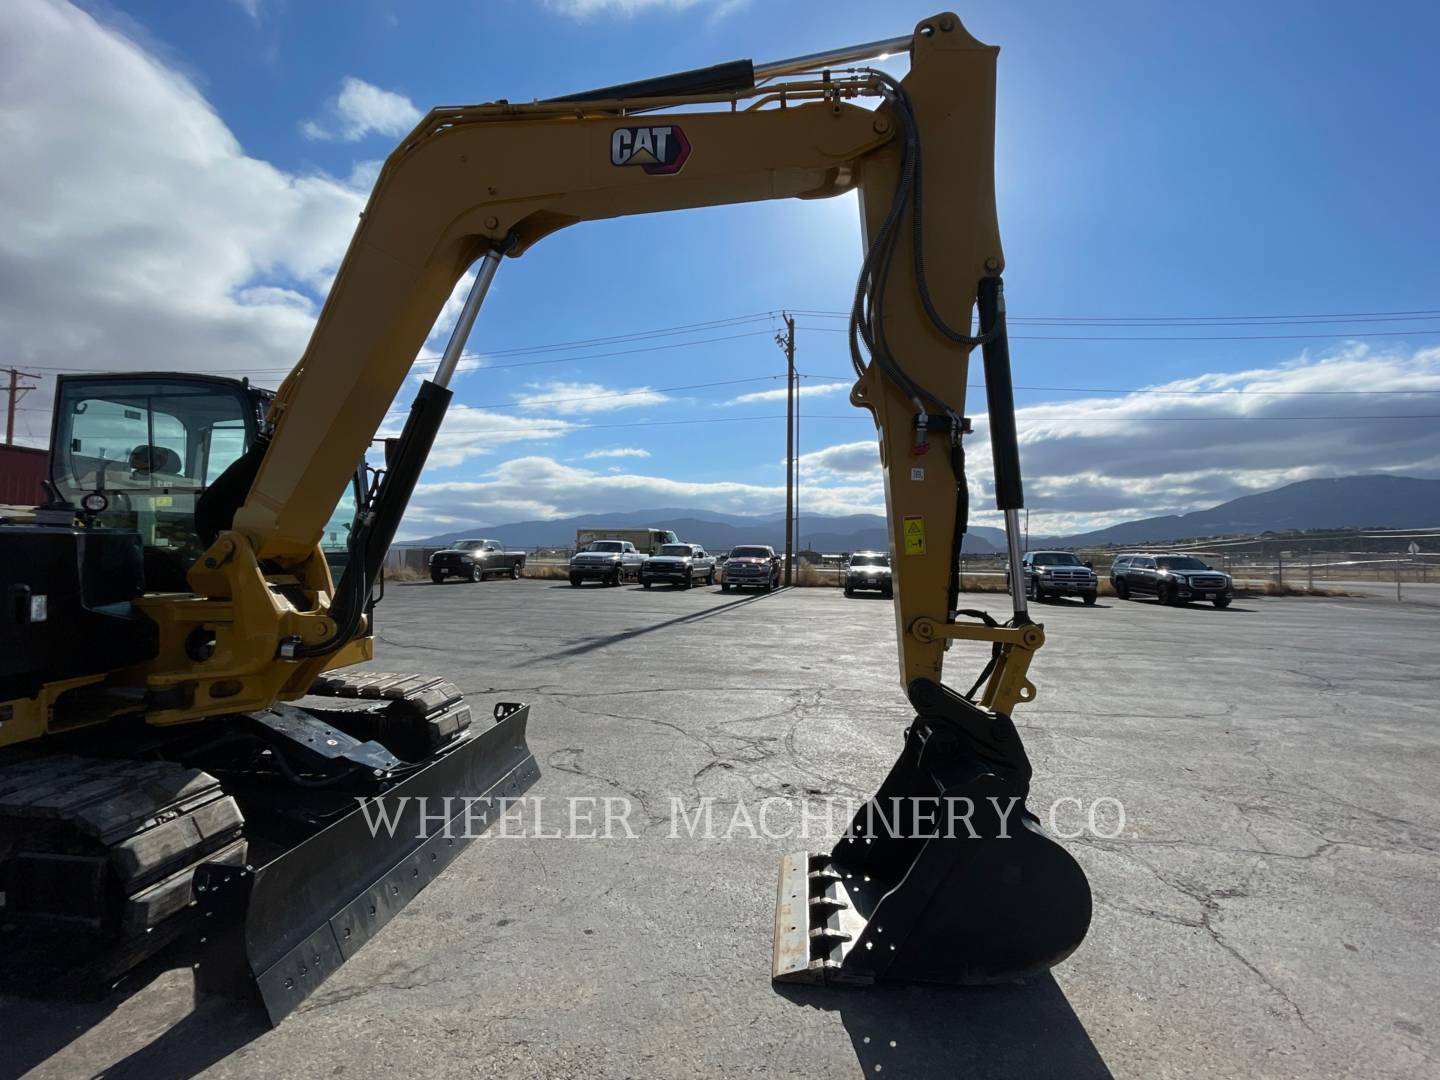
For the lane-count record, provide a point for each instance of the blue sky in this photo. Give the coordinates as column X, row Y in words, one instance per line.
column 1153, row 159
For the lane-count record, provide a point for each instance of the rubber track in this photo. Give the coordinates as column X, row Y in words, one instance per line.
column 427, row 709
column 140, row 826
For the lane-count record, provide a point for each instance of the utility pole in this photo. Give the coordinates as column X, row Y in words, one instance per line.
column 16, row 393
column 786, row 341
column 799, row 531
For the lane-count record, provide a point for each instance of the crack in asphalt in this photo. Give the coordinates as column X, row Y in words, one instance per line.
column 1210, row 908
column 751, row 760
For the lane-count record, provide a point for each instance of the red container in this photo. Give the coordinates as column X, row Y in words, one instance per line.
column 22, row 468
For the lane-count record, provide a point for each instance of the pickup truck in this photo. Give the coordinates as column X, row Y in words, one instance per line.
column 610, row 561
column 475, row 560
column 1049, row 574
column 752, row 566
column 678, row 564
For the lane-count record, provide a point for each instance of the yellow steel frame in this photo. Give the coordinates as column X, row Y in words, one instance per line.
column 468, row 180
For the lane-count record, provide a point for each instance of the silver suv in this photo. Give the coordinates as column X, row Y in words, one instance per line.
column 1058, row 573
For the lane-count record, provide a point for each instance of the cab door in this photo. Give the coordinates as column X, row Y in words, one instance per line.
column 1142, row 575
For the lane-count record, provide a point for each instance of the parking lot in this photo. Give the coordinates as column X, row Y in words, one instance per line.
column 1269, row 909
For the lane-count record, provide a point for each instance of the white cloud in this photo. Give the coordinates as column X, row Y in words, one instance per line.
column 540, row 487
column 618, row 452
column 470, row 432
column 361, row 109
column 137, row 230
column 574, row 398
column 1172, row 450
column 846, row 459
column 249, row 7
column 364, row 174
column 1093, row 461
column 806, row 390
column 586, row 9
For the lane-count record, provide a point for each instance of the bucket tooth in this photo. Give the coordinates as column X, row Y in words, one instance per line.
column 944, row 876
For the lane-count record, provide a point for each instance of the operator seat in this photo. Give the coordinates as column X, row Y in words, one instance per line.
column 147, row 459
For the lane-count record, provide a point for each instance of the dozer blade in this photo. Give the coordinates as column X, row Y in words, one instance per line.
column 281, row 928
column 944, row 876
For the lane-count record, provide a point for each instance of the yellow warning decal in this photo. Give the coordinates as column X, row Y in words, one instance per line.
column 914, row 536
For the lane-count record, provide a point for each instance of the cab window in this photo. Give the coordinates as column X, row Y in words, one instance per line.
column 151, row 446
column 336, row 537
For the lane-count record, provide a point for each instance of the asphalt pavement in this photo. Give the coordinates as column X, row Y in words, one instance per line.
column 1268, row 908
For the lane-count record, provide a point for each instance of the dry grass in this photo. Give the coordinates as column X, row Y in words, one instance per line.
column 1270, row 588
column 808, row 576
column 546, row 571
column 403, row 573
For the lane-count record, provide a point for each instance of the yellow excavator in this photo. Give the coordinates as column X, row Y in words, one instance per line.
column 183, row 741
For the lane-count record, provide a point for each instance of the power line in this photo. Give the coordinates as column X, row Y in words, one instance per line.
column 1202, row 419
column 861, row 416
column 1258, row 321
column 622, row 352
column 448, row 430
column 423, row 360
column 740, row 320
column 1184, row 337
column 820, row 379
column 528, row 402
column 840, row 380
column 1169, row 393
column 1182, row 320
column 638, row 335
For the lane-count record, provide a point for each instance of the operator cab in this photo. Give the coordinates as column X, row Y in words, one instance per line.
column 137, row 452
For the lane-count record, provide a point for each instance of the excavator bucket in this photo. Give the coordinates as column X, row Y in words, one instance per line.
column 278, row 927
column 944, row 876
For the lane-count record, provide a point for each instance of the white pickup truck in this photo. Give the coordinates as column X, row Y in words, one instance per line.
column 608, row 561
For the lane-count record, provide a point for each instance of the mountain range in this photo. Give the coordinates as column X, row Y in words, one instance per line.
column 1379, row 501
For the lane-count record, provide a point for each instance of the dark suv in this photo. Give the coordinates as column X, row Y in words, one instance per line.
column 1173, row 579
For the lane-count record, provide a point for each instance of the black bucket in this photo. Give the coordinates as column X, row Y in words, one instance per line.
column 944, row 876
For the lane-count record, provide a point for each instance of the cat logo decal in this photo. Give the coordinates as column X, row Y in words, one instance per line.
column 659, row 150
